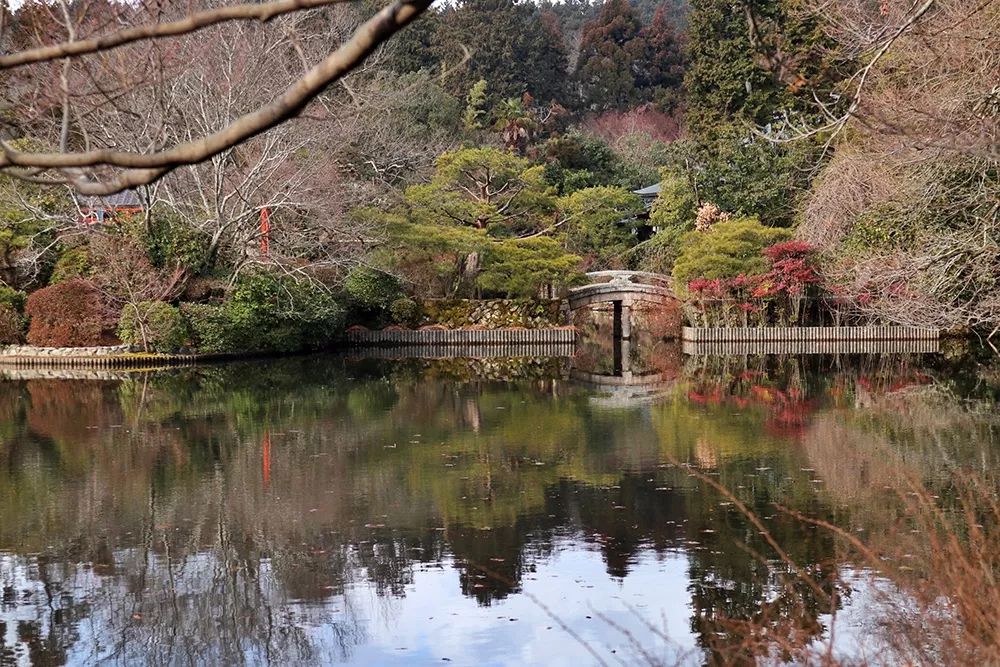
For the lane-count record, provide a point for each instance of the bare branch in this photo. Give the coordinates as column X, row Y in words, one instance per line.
column 141, row 169
column 256, row 12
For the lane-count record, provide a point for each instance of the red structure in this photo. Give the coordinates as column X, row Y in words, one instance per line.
column 265, row 231
column 101, row 210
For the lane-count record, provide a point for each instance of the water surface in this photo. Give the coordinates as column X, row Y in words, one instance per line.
column 323, row 510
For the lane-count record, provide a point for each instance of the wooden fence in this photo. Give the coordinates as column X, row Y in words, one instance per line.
column 807, row 334
column 509, row 350
column 751, row 347
column 465, row 337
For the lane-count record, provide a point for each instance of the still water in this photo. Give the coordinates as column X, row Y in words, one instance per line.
column 325, row 510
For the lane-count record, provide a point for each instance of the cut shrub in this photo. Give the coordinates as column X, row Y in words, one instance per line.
column 266, row 313
column 211, row 329
column 371, row 290
column 405, row 311
column 70, row 314
column 154, row 325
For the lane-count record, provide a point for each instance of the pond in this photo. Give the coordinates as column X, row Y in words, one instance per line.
column 327, row 510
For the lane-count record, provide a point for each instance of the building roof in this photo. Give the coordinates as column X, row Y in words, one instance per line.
column 650, row 191
column 123, row 199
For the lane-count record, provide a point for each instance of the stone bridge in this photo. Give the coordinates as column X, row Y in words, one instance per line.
column 623, row 289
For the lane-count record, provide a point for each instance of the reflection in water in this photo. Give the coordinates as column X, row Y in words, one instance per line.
column 318, row 510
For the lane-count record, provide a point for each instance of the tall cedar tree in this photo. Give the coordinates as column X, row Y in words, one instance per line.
column 512, row 48
column 610, row 52
column 413, row 49
column 623, row 64
column 661, row 72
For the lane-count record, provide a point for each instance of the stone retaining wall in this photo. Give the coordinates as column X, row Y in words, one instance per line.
column 32, row 351
column 494, row 313
column 110, row 356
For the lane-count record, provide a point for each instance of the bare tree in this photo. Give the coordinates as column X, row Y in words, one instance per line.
column 93, row 166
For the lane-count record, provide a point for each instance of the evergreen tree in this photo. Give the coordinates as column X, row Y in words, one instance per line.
column 611, row 48
column 413, row 49
column 752, row 65
column 661, row 71
column 511, row 47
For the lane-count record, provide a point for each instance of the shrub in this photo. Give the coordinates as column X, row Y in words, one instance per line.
column 74, row 263
column 266, row 313
column 271, row 312
column 172, row 242
column 725, row 250
column 211, row 329
column 11, row 326
column 370, row 289
column 405, row 311
column 12, row 322
column 521, row 267
column 12, row 298
column 70, row 314
column 155, row 325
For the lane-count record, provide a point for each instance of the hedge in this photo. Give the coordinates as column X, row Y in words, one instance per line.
column 73, row 313
column 154, row 325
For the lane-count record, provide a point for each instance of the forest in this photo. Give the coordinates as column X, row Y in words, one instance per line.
column 838, row 150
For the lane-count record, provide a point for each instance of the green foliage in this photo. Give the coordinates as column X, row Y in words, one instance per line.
column 167, row 240
column 431, row 257
column 412, row 50
column 475, row 106
column 729, row 78
column 12, row 326
column 675, row 206
column 623, row 64
column 277, row 313
column 661, row 251
column 73, row 263
column 12, row 321
column 171, row 242
column 511, row 47
column 745, row 174
column 212, row 330
column 371, row 290
column 12, row 298
column 673, row 215
column 154, row 325
column 483, row 188
column 266, row 313
column 598, row 222
column 575, row 160
column 405, row 311
column 610, row 48
column 24, row 208
column 883, row 227
column 726, row 250
column 520, row 267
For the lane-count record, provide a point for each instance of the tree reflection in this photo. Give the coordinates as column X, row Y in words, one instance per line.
column 227, row 514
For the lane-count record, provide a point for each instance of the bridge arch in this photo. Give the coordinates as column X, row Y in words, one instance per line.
column 623, row 289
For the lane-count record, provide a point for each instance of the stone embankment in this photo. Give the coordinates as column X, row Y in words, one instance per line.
column 108, row 356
